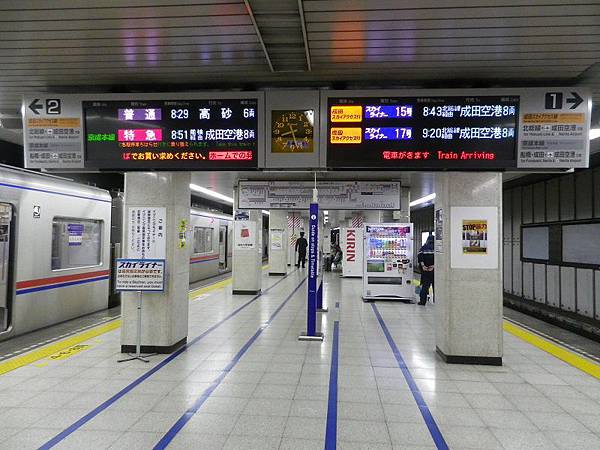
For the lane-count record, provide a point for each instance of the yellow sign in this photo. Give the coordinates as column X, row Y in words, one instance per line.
column 54, row 123
column 346, row 113
column 554, row 118
column 182, row 230
column 68, row 352
column 346, row 135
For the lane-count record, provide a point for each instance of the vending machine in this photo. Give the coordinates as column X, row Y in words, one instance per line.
column 388, row 265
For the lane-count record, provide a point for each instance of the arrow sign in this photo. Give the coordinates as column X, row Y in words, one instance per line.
column 35, row 106
column 576, row 100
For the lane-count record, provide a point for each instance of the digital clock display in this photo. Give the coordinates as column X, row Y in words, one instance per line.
column 445, row 132
column 172, row 134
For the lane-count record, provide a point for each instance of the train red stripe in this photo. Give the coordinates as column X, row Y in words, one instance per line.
column 61, row 279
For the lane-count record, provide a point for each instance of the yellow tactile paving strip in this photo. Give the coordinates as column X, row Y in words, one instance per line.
column 571, row 358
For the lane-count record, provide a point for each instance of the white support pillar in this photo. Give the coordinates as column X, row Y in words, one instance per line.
column 468, row 273
column 164, row 315
column 247, row 252
column 278, row 242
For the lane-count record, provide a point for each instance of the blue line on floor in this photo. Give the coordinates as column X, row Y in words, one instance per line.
column 434, row 430
column 89, row 416
column 331, row 428
column 185, row 418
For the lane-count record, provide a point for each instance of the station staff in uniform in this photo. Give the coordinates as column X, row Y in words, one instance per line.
column 301, row 246
column 425, row 260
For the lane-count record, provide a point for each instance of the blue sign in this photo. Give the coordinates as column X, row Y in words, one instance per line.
column 75, row 231
column 389, row 133
column 313, row 254
column 385, row 111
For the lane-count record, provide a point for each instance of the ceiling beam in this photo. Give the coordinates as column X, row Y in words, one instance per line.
column 304, row 34
column 258, row 34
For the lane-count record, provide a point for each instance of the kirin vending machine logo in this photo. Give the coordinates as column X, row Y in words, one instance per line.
column 350, row 245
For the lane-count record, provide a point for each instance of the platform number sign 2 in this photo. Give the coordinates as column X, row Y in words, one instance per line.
column 53, row 106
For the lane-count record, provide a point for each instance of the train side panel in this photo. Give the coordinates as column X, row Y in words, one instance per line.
column 61, row 255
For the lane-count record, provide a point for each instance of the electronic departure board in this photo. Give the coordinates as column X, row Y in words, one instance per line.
column 172, row 134
column 442, row 132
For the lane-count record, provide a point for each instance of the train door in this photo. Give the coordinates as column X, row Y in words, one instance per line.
column 223, row 247
column 6, row 215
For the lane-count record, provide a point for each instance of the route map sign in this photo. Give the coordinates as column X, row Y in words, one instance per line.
column 172, row 134
column 424, row 132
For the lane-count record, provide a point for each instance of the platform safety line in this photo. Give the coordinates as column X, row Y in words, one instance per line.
column 185, row 418
column 107, row 403
column 434, row 430
column 571, row 358
column 44, row 352
column 331, row 426
column 51, row 349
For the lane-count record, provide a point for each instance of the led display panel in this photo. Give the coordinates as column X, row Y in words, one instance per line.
column 172, row 134
column 439, row 132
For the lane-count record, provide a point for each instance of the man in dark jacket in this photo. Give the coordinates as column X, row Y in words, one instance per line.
column 425, row 260
column 301, row 245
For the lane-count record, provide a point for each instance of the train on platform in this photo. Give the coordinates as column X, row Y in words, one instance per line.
column 58, row 242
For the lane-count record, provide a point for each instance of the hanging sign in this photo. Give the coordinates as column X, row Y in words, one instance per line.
column 140, row 275
column 146, row 232
column 52, row 132
column 554, row 128
column 75, row 231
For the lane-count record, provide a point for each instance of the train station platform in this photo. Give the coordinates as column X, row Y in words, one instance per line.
column 244, row 381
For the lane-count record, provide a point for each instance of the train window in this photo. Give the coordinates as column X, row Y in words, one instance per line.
column 203, row 240
column 76, row 243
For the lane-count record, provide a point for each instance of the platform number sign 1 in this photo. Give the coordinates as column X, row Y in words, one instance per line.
column 554, row 100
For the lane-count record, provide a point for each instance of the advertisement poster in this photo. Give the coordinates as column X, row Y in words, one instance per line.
column 475, row 237
column 245, row 235
column 146, row 233
column 277, row 239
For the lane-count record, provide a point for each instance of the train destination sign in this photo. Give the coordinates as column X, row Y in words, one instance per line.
column 439, row 132
column 172, row 134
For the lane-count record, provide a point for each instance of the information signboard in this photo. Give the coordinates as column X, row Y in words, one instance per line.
column 422, row 132
column 554, row 128
column 351, row 195
column 219, row 133
column 140, row 275
column 52, row 132
column 146, row 232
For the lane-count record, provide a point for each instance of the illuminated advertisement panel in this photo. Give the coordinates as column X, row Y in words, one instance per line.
column 441, row 132
column 171, row 134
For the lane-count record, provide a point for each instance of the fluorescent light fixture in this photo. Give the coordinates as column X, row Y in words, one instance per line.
column 594, row 133
column 200, row 189
column 265, row 212
column 422, row 200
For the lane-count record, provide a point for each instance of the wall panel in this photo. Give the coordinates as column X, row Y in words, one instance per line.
column 527, row 204
column 585, row 292
column 583, row 195
column 539, row 202
column 567, row 288
column 552, row 200
column 567, row 198
column 539, row 283
column 528, row 281
column 553, row 283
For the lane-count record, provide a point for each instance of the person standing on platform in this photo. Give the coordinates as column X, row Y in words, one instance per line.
column 425, row 260
column 301, row 246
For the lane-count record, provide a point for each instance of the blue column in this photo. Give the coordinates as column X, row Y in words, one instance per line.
column 313, row 254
